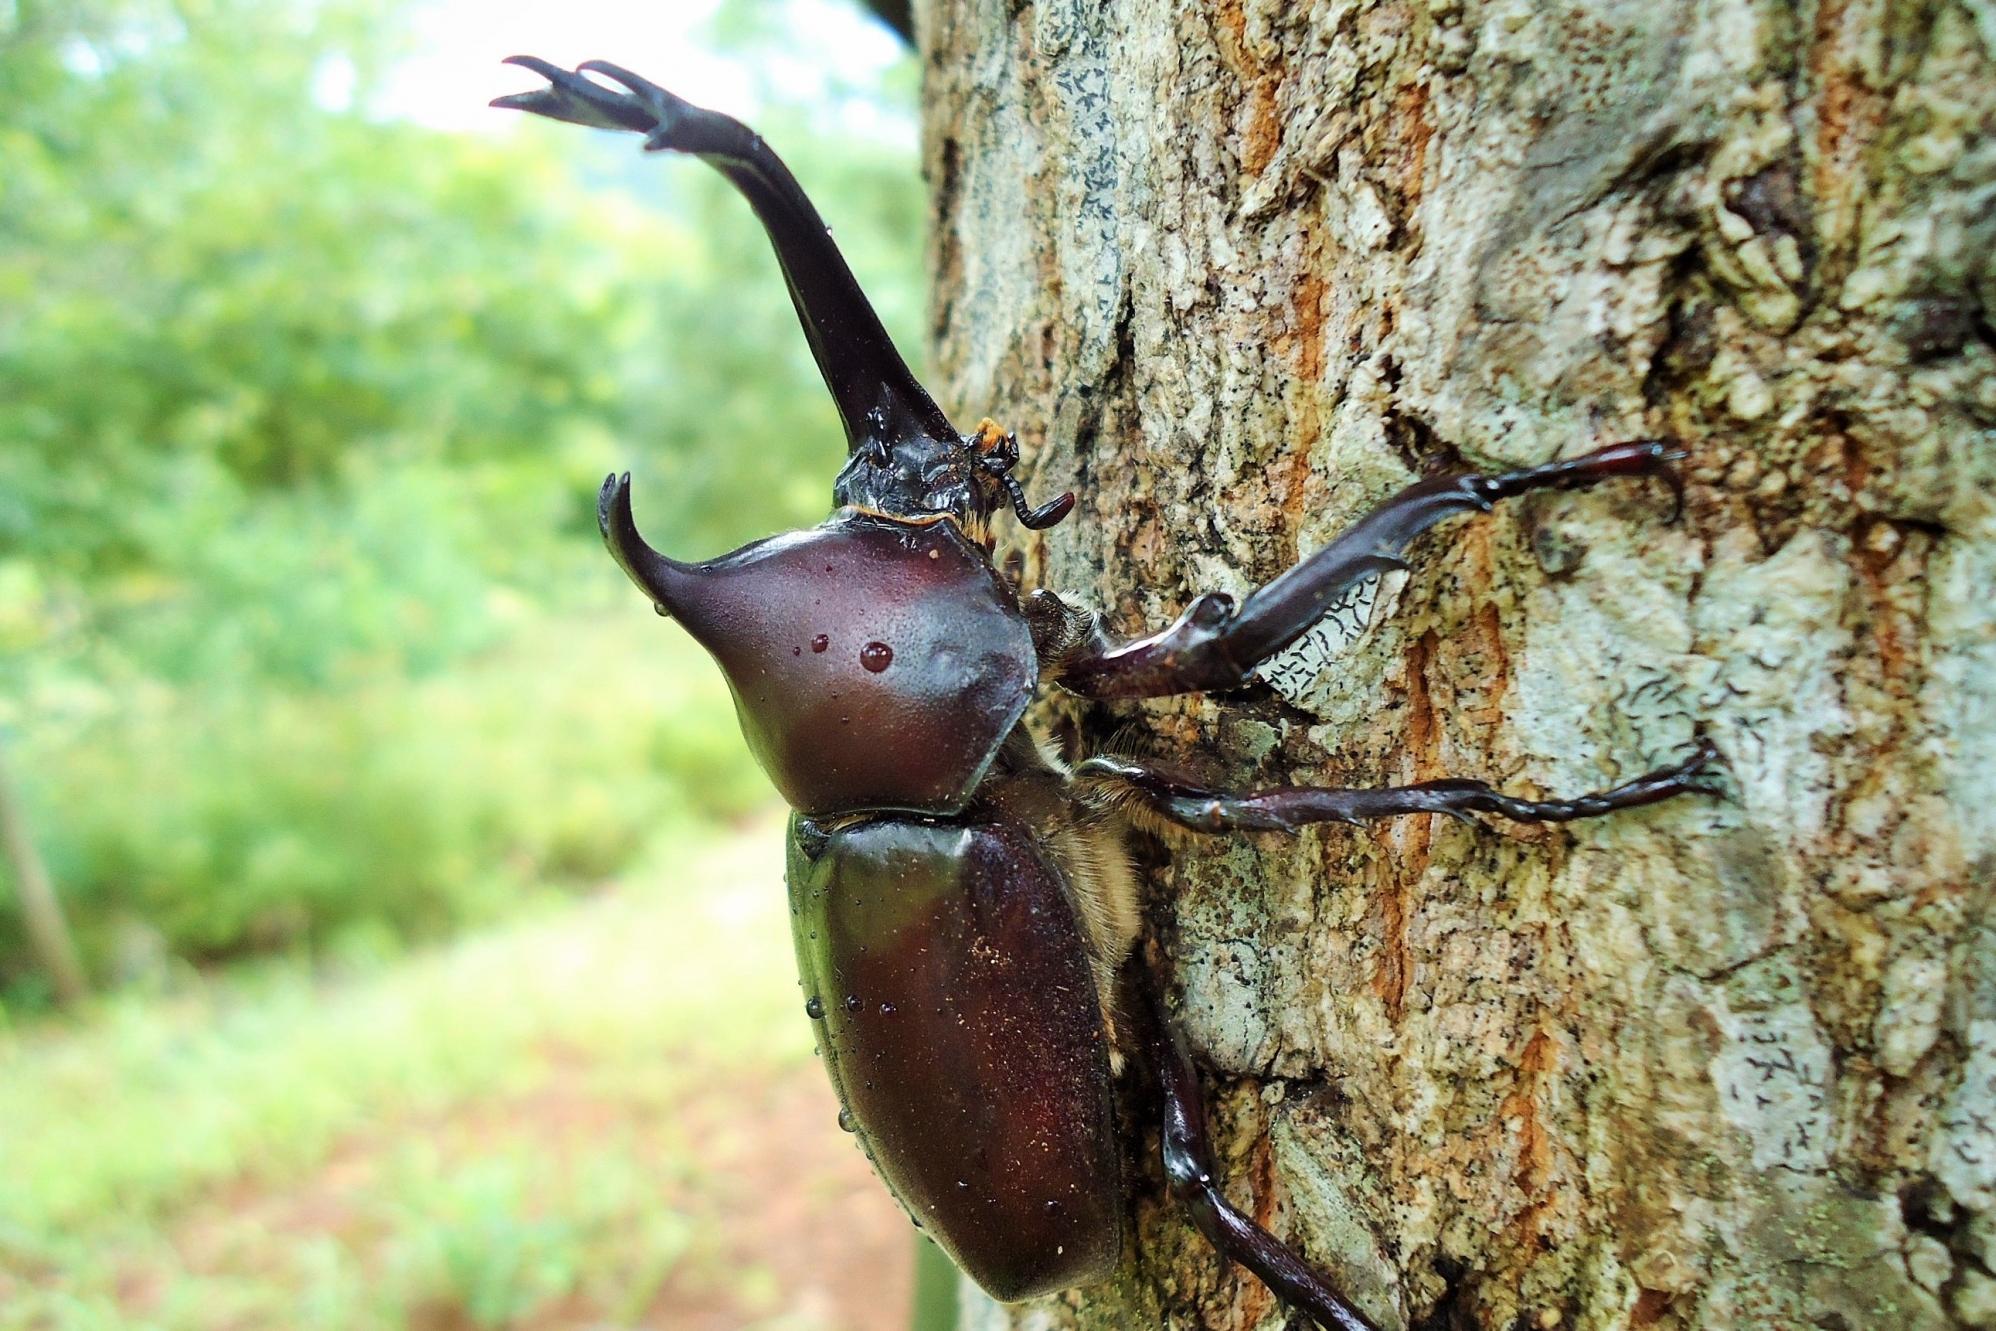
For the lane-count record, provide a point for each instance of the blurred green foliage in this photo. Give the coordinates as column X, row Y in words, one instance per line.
column 305, row 633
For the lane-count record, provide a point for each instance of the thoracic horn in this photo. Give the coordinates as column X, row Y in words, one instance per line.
column 667, row 582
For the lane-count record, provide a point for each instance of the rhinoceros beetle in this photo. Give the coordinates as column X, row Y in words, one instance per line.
column 965, row 912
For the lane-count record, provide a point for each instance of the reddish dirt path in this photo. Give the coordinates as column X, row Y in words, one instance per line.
column 819, row 1218
column 790, row 1220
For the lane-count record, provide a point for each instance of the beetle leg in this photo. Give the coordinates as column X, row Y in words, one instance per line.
column 1193, row 1180
column 878, row 397
column 1154, row 796
column 1217, row 645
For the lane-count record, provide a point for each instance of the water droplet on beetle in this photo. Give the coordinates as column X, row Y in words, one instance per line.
column 876, row 656
column 847, row 1123
column 819, row 643
column 659, row 608
column 813, row 1008
column 852, row 1002
column 886, row 1009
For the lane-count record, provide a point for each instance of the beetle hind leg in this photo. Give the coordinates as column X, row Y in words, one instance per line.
column 1159, row 800
column 1193, row 1181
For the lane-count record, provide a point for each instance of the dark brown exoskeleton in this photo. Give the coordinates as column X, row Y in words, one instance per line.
column 966, row 915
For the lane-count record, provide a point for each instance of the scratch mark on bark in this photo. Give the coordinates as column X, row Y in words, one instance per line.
column 1533, row 1175
column 1406, row 841
column 1263, row 134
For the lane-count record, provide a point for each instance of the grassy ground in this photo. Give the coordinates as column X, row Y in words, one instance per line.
column 603, row 1115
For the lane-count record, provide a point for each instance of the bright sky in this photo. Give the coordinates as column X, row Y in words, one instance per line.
column 454, row 69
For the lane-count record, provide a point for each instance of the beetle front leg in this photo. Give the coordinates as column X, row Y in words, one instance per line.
column 1193, row 1180
column 1216, row 645
column 1149, row 793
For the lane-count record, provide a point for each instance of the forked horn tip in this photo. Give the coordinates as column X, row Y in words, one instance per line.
column 547, row 69
column 613, row 504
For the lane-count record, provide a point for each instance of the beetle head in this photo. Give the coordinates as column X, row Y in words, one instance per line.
column 921, row 478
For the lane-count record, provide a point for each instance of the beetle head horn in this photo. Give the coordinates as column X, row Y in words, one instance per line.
column 667, row 581
column 879, row 400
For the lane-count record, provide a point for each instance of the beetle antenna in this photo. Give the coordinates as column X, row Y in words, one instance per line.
column 1047, row 514
column 1038, row 519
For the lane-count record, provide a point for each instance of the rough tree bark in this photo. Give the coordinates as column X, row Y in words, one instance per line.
column 1235, row 270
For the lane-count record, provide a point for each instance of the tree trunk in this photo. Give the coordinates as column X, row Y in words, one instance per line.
column 1237, row 269
column 41, row 910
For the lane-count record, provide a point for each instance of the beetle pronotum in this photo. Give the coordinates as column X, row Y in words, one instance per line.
column 965, row 912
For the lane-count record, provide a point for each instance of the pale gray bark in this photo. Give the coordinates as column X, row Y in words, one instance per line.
column 1235, row 269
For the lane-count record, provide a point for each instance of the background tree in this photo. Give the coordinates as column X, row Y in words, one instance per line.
column 40, row 909
column 1236, row 271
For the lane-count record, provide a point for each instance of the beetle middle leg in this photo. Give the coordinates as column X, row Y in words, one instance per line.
column 1193, row 1180
column 1150, row 795
column 1217, row 645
